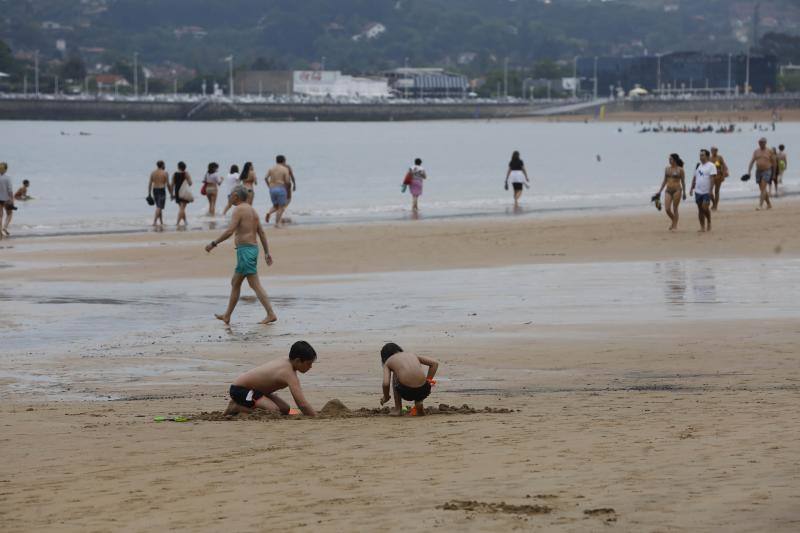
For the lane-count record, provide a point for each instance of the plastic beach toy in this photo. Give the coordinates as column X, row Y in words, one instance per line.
column 170, row 419
column 294, row 412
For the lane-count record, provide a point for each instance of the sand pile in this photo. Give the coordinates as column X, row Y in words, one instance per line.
column 337, row 409
column 502, row 507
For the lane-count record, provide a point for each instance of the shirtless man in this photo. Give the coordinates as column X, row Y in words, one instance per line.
column 722, row 173
column 157, row 189
column 246, row 225
column 255, row 389
column 22, row 193
column 6, row 200
column 764, row 162
column 402, row 371
column 280, row 180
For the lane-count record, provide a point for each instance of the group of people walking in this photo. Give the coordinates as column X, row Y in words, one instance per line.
column 710, row 173
column 279, row 179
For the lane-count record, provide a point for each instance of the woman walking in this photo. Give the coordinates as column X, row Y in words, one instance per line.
column 518, row 176
column 181, row 184
column 248, row 177
column 418, row 174
column 230, row 183
column 675, row 184
column 211, row 182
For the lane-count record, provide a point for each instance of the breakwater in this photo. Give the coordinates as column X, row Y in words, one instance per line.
column 41, row 109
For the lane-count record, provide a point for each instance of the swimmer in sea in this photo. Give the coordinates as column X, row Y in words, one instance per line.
column 675, row 184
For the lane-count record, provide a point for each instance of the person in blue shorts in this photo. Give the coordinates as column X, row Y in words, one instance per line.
column 701, row 188
column 247, row 227
column 280, row 181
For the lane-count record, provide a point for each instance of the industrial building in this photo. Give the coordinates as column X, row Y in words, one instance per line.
column 679, row 72
column 321, row 83
column 427, row 83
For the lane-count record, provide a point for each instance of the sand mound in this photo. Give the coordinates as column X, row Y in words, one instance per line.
column 502, row 507
column 335, row 409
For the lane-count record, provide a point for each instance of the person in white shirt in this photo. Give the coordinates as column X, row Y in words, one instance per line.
column 418, row 175
column 211, row 182
column 701, row 188
column 230, row 183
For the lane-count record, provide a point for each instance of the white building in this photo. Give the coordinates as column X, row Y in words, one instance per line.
column 335, row 84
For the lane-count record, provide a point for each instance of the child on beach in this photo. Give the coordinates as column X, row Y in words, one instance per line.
column 22, row 192
column 409, row 381
column 255, row 389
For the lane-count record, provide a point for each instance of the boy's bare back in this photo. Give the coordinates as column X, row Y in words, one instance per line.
column 408, row 369
column 269, row 377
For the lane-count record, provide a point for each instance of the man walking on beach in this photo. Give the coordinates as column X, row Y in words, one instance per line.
column 764, row 161
column 6, row 200
column 247, row 227
column 702, row 183
column 157, row 190
column 722, row 173
column 280, row 182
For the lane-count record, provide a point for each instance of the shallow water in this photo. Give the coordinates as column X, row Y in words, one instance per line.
column 128, row 320
column 352, row 171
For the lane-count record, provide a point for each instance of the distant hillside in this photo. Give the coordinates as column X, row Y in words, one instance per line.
column 472, row 36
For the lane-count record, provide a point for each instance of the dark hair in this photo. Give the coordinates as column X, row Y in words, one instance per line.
column 303, row 351
column 677, row 159
column 418, row 161
column 160, row 164
column 234, row 169
column 26, row 182
column 245, row 170
column 212, row 167
column 782, row 147
column 280, row 159
column 181, row 166
column 706, row 152
column 388, row 350
column 515, row 156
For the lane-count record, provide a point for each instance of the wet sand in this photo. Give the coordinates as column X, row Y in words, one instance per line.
column 681, row 416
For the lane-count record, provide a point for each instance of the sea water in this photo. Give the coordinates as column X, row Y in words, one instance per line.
column 93, row 176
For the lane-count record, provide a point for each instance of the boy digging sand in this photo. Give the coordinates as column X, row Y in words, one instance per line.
column 409, row 380
column 255, row 389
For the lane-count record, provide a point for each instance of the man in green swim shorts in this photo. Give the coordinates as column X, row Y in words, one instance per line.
column 247, row 227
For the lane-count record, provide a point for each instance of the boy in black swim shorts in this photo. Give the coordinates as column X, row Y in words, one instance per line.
column 255, row 389
column 403, row 372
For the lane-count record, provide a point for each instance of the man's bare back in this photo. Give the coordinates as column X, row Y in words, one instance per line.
column 279, row 176
column 159, row 178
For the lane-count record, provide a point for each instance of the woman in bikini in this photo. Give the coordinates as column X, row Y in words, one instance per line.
column 675, row 185
column 248, row 177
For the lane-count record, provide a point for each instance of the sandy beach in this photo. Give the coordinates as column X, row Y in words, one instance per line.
column 664, row 408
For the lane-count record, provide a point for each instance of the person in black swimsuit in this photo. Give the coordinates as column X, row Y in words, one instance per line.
column 177, row 180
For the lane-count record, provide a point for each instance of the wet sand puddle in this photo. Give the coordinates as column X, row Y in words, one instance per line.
column 149, row 323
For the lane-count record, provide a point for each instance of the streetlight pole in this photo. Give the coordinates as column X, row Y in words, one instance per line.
column 505, row 78
column 747, row 74
column 575, row 77
column 729, row 75
column 36, row 73
column 658, row 73
column 136, row 74
column 230, row 60
column 322, row 66
column 595, row 77
column 405, row 78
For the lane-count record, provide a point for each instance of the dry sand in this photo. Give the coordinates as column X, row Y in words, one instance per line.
column 681, row 117
column 641, row 427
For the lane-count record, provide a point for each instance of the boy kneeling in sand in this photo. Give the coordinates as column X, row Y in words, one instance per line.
column 255, row 389
column 404, row 371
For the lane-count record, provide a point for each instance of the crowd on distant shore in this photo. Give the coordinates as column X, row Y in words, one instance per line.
column 709, row 174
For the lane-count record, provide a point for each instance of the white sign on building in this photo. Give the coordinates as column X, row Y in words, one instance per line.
column 334, row 83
